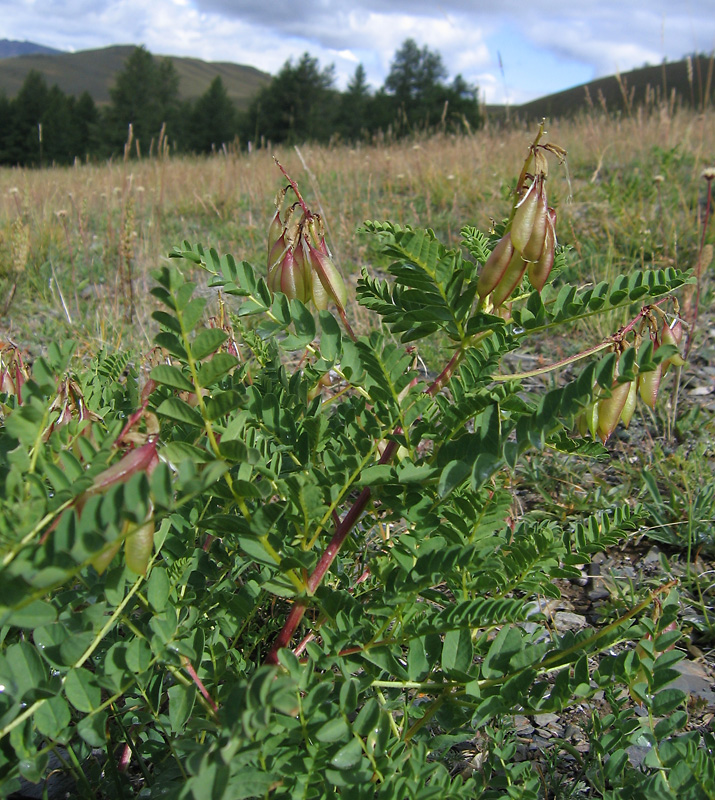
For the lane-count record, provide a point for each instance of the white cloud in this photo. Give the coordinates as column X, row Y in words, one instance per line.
column 600, row 36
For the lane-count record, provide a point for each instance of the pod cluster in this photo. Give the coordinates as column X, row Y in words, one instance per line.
column 528, row 245
column 603, row 415
column 299, row 262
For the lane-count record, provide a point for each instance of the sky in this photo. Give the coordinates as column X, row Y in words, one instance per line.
column 512, row 50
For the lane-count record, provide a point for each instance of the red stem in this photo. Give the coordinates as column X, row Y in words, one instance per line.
column 346, row 525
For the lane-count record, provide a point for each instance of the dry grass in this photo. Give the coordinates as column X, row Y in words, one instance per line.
column 92, row 226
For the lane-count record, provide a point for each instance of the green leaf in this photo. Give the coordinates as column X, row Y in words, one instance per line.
column 34, row 614
column 457, row 651
column 93, row 729
column 171, row 376
column 331, row 339
column 335, row 730
column 453, row 475
column 348, row 756
column 158, row 589
column 52, row 717
column 82, row 690
column 28, row 671
column 212, row 371
column 207, row 341
column 176, row 452
column 176, row 409
column 181, row 704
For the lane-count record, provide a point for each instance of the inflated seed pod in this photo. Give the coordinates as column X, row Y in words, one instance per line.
column 511, row 278
column 540, row 270
column 495, row 266
column 275, row 231
column 648, row 385
column 523, row 222
column 630, row 404
column 535, row 246
column 610, row 410
column 668, row 336
column 327, row 282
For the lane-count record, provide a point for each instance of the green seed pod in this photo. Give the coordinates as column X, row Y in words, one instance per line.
column 668, row 336
column 630, row 404
column 511, row 278
column 610, row 410
column 495, row 265
column 540, row 270
column 648, row 385
column 535, row 246
column 523, row 222
column 327, row 282
column 592, row 419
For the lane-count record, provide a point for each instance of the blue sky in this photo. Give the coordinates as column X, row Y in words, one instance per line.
column 545, row 45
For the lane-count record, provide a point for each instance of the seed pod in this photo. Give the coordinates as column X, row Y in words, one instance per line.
column 535, row 246
column 275, row 231
column 276, row 252
column 523, row 222
column 591, row 419
column 495, row 265
column 610, row 410
column 630, row 404
column 540, row 270
column 327, row 283
column 511, row 278
column 291, row 276
column 138, row 547
column 668, row 336
column 648, row 385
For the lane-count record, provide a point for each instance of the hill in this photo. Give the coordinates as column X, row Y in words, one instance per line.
column 94, row 71
column 9, row 48
column 690, row 85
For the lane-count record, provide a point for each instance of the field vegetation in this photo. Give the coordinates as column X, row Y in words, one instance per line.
column 84, row 267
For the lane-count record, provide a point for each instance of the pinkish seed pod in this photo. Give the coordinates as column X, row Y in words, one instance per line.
column 648, row 385
column 523, row 222
column 540, row 270
column 275, row 232
column 610, row 410
column 535, row 246
column 510, row 279
column 495, row 265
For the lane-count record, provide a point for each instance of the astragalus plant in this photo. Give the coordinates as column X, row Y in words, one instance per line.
column 279, row 559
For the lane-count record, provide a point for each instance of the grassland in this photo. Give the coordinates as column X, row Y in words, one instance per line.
column 71, row 237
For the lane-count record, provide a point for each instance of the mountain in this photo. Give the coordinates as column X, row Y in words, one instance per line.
column 10, row 48
column 95, row 70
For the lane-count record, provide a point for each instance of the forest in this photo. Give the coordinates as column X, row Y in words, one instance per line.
column 45, row 126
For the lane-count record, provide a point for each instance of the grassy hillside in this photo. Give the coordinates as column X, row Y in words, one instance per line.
column 95, row 70
column 691, row 85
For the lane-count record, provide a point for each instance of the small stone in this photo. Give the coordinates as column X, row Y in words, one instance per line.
column 541, row 720
column 572, row 731
column 568, row 621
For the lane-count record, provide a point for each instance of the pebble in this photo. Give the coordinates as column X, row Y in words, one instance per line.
column 568, row 621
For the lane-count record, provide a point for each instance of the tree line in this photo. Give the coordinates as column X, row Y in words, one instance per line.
column 43, row 125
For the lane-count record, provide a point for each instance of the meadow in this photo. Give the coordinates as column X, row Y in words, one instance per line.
column 73, row 239
column 79, row 252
